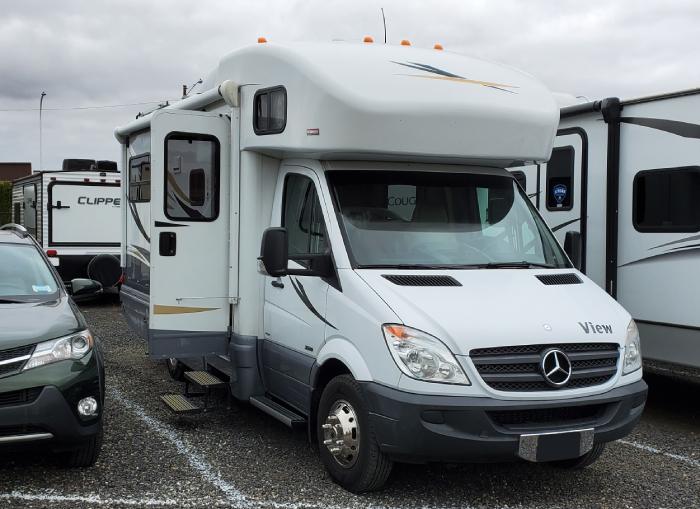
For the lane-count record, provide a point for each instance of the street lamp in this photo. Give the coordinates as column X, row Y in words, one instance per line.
column 41, row 104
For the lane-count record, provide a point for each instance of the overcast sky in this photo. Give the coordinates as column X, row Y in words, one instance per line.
column 100, row 53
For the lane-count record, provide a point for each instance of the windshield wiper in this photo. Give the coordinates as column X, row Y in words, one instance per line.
column 516, row 265
column 409, row 266
column 12, row 301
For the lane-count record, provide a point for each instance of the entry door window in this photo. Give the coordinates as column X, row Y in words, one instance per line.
column 302, row 216
column 191, row 177
column 560, row 179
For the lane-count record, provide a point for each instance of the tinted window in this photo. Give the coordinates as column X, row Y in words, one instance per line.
column 24, row 274
column 560, row 179
column 140, row 178
column 667, row 200
column 302, row 216
column 270, row 111
column 191, row 177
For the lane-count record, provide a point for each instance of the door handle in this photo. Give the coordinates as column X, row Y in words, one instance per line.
column 167, row 244
column 277, row 284
column 57, row 206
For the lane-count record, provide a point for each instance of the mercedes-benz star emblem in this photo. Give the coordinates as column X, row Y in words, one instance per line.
column 556, row 367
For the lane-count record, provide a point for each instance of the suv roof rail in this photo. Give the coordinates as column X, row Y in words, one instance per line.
column 17, row 228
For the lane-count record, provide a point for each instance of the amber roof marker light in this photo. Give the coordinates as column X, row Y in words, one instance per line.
column 438, row 46
column 262, row 40
column 368, row 39
column 405, row 42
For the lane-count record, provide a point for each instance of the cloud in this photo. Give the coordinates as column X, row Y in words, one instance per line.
column 84, row 52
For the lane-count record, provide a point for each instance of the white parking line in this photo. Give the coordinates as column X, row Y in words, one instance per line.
column 196, row 461
column 654, row 450
column 93, row 499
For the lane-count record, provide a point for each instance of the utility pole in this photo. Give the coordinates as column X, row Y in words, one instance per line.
column 41, row 105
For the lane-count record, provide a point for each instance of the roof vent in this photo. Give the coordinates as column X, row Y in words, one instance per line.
column 559, row 279
column 418, row 280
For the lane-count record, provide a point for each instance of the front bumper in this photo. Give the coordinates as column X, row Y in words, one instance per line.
column 422, row 428
column 41, row 404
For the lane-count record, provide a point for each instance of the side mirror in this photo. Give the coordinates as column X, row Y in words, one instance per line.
column 273, row 251
column 84, row 287
column 572, row 246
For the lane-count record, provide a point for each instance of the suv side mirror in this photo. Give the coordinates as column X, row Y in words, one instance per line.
column 572, row 246
column 273, row 251
column 83, row 287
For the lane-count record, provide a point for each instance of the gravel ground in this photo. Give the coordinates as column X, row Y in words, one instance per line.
column 241, row 457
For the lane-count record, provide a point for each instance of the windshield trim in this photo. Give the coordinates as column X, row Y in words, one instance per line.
column 542, row 226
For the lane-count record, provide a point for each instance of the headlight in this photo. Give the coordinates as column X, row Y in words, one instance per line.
column 75, row 347
column 422, row 356
column 633, row 351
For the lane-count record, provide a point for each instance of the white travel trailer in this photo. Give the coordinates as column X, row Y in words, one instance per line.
column 75, row 217
column 409, row 303
column 624, row 176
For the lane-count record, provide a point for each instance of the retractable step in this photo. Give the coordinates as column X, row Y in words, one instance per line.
column 180, row 404
column 204, row 379
column 279, row 412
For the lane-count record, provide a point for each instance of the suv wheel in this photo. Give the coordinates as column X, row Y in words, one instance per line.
column 348, row 447
column 86, row 454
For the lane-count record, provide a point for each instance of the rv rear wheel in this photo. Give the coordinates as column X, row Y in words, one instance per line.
column 582, row 462
column 346, row 440
column 176, row 369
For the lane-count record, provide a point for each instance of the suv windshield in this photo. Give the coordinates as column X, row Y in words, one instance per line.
column 431, row 219
column 24, row 275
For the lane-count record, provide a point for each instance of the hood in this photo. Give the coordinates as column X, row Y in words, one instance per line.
column 503, row 307
column 32, row 322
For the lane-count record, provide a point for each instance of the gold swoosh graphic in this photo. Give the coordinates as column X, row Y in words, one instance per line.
column 461, row 80
column 159, row 309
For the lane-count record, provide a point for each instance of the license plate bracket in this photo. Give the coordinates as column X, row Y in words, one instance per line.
column 557, row 445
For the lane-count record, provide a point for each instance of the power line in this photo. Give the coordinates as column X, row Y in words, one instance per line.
column 95, row 107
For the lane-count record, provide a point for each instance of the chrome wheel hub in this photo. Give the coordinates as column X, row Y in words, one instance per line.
column 341, row 433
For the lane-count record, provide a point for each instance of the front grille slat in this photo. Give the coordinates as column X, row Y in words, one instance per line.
column 517, row 368
column 19, row 397
column 12, row 360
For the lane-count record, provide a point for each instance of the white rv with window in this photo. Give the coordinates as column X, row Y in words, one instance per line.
column 74, row 215
column 331, row 226
column 624, row 176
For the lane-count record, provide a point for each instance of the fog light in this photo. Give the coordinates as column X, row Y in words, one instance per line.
column 87, row 407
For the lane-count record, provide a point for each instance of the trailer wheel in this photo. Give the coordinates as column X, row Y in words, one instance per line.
column 105, row 269
column 583, row 461
column 176, row 369
column 346, row 440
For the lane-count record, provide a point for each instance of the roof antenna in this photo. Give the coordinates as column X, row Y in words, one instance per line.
column 187, row 91
column 384, row 21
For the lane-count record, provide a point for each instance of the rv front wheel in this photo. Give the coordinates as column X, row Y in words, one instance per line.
column 346, row 439
column 176, row 369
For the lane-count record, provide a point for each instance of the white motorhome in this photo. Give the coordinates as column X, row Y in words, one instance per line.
column 74, row 215
column 409, row 303
column 624, row 176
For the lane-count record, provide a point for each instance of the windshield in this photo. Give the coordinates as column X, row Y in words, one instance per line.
column 24, row 275
column 430, row 219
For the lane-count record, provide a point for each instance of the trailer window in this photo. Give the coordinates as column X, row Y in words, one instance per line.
column 560, row 179
column 140, row 179
column 191, row 177
column 665, row 200
column 302, row 216
column 270, row 111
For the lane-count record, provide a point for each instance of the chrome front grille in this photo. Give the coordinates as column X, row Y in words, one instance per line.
column 517, row 368
column 13, row 359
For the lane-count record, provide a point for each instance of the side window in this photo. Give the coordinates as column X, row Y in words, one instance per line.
column 270, row 111
column 560, row 179
column 191, row 177
column 666, row 200
column 17, row 213
column 140, row 179
column 302, row 216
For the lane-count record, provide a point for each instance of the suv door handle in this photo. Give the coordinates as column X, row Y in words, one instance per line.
column 277, row 284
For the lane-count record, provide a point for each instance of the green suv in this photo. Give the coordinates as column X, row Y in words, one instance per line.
column 51, row 369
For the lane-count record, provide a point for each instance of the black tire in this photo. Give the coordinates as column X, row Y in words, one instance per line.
column 176, row 369
column 583, row 461
column 86, row 454
column 371, row 467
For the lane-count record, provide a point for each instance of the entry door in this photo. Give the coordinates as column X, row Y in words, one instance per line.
column 563, row 194
column 189, row 305
column 295, row 306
